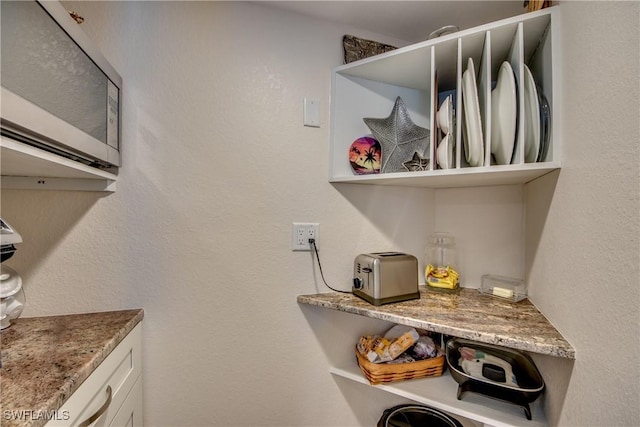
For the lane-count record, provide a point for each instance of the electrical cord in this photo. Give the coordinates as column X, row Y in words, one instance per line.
column 312, row 242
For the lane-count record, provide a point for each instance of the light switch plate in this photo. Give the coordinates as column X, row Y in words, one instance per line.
column 311, row 112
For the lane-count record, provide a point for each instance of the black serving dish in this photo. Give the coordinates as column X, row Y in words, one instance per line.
column 530, row 384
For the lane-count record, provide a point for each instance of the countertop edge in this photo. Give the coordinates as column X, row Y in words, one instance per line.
column 561, row 350
column 76, row 380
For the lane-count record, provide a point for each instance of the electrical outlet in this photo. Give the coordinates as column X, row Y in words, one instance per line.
column 302, row 232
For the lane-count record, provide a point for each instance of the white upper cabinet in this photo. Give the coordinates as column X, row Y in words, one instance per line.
column 512, row 112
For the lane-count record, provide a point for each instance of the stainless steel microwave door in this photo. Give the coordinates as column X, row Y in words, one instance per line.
column 43, row 65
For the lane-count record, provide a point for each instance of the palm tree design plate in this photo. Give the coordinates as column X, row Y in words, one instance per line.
column 365, row 156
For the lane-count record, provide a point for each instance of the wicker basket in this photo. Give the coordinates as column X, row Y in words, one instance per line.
column 379, row 373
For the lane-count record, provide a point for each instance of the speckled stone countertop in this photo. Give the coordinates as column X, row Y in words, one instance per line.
column 465, row 314
column 45, row 359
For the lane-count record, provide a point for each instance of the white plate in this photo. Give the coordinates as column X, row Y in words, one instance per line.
column 531, row 118
column 445, row 152
column 444, row 118
column 473, row 144
column 503, row 115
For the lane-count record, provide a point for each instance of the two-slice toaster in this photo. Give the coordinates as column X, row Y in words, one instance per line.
column 385, row 277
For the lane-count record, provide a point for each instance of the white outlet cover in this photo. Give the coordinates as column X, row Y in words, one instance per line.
column 301, row 233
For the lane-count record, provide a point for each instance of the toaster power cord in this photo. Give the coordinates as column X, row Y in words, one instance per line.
column 312, row 242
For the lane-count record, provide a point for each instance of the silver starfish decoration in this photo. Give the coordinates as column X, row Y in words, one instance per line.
column 417, row 163
column 399, row 138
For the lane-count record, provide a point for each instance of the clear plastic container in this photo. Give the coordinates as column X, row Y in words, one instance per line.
column 504, row 287
column 441, row 251
column 441, row 261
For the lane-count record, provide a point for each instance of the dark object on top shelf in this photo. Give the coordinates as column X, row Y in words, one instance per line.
column 356, row 48
column 533, row 5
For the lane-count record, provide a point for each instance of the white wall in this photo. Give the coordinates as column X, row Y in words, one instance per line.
column 583, row 233
column 217, row 165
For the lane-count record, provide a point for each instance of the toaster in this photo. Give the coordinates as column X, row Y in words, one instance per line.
column 385, row 277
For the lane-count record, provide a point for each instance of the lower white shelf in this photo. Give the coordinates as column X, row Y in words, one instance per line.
column 441, row 393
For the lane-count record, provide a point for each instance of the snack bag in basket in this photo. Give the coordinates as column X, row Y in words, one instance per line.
column 384, row 349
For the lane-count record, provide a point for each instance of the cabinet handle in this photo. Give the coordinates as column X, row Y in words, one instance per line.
column 99, row 412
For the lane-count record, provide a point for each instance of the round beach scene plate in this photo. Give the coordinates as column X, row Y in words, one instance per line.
column 365, row 154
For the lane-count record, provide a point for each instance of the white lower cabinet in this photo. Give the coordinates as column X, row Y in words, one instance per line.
column 112, row 394
column 130, row 413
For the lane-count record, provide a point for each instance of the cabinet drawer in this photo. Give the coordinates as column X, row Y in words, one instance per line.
column 105, row 390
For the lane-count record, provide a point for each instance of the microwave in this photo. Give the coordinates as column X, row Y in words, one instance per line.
column 59, row 93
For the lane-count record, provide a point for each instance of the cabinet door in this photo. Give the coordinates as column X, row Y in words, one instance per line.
column 130, row 413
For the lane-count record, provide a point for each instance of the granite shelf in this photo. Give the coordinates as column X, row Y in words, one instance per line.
column 464, row 314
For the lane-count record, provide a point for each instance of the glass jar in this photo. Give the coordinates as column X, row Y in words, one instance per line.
column 441, row 261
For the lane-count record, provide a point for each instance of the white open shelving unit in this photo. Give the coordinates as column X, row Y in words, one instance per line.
column 418, row 73
column 28, row 168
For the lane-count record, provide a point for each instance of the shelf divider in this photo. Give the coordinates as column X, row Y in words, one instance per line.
column 459, row 119
column 484, row 96
column 516, row 58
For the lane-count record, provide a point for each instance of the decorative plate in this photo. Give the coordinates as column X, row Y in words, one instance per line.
column 365, row 156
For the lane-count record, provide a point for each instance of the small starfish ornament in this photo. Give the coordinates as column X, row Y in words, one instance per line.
column 417, row 163
column 399, row 137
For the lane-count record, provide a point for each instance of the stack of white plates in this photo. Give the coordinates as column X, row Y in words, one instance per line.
column 472, row 126
column 504, row 118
